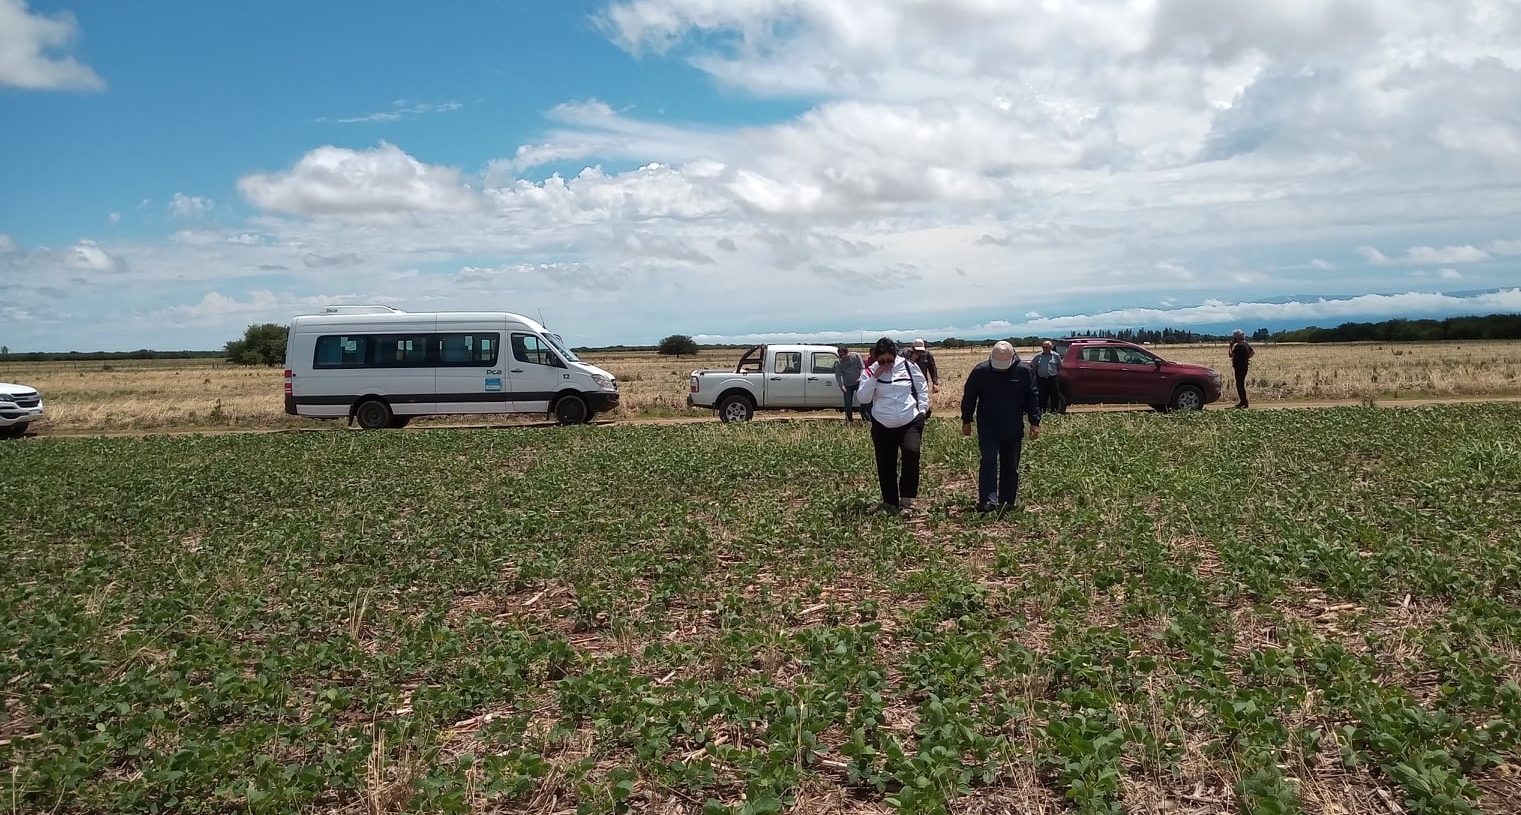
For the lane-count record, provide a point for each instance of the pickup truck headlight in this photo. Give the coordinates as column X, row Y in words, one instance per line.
column 603, row 382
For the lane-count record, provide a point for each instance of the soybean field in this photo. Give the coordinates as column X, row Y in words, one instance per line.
column 1280, row 612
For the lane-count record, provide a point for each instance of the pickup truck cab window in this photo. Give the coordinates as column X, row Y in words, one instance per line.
column 824, row 363
column 1101, row 355
column 1134, row 356
column 788, row 362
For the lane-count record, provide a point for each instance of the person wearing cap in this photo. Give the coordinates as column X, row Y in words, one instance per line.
column 999, row 395
column 899, row 397
column 1241, row 359
column 921, row 356
column 1048, row 366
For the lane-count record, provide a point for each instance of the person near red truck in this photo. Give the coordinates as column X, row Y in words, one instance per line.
column 1048, row 368
column 899, row 396
column 999, row 396
column 1241, row 359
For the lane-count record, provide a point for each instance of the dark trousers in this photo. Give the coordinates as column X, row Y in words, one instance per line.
column 1240, row 386
column 850, row 403
column 1050, row 394
column 998, row 477
column 887, row 441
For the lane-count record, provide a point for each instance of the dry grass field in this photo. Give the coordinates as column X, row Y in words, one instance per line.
column 153, row 395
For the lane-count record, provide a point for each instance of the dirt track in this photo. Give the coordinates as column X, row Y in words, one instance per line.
column 707, row 418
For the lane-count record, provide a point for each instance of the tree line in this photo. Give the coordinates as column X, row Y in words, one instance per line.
column 1490, row 327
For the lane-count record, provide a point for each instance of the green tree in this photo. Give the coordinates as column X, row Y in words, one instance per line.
column 261, row 345
column 677, row 345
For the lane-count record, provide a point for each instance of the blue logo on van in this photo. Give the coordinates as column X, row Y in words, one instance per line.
column 493, row 385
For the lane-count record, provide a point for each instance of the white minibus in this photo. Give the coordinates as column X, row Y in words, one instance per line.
column 381, row 366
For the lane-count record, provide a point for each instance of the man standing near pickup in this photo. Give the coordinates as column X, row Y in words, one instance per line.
column 999, row 395
column 921, row 356
column 1241, row 360
column 1048, row 365
column 847, row 375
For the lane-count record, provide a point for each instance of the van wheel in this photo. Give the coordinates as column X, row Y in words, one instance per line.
column 735, row 408
column 15, row 431
column 398, row 422
column 1188, row 397
column 373, row 414
column 572, row 409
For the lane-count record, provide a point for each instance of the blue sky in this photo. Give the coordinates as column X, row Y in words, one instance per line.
column 172, row 171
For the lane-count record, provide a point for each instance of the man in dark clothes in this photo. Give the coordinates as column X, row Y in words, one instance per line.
column 999, row 394
column 1241, row 360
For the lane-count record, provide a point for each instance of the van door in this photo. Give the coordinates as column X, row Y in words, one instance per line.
column 534, row 372
column 785, row 382
column 469, row 376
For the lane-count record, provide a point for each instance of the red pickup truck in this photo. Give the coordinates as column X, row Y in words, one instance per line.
column 1103, row 371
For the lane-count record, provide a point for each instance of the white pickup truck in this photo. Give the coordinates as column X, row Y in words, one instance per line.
column 770, row 377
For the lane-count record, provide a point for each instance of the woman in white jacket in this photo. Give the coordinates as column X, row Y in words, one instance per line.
column 899, row 397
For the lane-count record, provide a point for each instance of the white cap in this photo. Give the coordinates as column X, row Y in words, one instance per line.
column 919, row 345
column 1002, row 356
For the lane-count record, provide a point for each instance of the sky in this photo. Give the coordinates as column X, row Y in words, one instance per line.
column 171, row 172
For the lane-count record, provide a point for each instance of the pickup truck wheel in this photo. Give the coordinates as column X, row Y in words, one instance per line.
column 373, row 414
column 572, row 409
column 735, row 409
column 15, row 431
column 1188, row 397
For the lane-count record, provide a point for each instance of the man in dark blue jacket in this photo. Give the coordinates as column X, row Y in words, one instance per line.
column 999, row 394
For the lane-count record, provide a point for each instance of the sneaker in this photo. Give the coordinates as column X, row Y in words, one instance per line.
column 907, row 503
column 884, row 509
column 986, row 507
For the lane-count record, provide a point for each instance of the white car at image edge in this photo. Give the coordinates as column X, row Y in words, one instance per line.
column 19, row 407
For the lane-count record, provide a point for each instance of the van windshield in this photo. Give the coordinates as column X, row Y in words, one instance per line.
column 559, row 343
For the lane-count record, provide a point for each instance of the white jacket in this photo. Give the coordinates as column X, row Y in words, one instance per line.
column 896, row 398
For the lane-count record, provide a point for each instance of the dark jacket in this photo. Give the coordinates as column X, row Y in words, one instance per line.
column 1241, row 355
column 926, row 362
column 1000, row 400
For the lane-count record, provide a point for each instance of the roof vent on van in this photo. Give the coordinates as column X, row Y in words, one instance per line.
column 361, row 310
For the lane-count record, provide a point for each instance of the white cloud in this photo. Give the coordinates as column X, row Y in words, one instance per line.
column 1426, row 255
column 401, row 109
column 1322, row 265
column 339, row 181
column 114, row 218
column 33, row 51
column 89, row 256
column 1446, row 254
column 1450, row 274
column 217, row 308
column 1505, row 248
column 8, row 244
column 190, row 206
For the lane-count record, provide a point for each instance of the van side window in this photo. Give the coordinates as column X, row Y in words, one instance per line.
column 401, row 350
column 341, row 352
column 532, row 350
column 788, row 362
column 468, row 350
